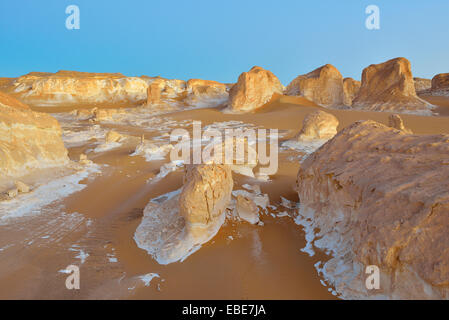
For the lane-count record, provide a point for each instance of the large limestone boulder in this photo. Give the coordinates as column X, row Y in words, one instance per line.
column 28, row 139
column 175, row 227
column 422, row 85
column 205, row 195
column 324, row 86
column 389, row 86
column 351, row 88
column 318, row 125
column 374, row 195
column 253, row 89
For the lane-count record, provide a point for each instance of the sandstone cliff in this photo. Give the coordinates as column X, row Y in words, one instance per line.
column 253, row 89
column 389, row 86
column 28, row 139
column 379, row 196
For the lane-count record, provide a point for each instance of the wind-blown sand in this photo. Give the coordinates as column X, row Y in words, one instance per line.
column 95, row 226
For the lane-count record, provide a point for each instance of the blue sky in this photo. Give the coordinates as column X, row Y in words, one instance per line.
column 218, row 40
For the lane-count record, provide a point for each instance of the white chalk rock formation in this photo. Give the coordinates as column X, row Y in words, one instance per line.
column 395, row 121
column 75, row 88
column 389, row 86
column 374, row 195
column 178, row 225
column 324, row 86
column 351, row 88
column 253, row 89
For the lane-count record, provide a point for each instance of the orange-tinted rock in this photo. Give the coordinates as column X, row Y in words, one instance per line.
column 253, row 89
column 378, row 196
column 389, row 86
column 351, row 88
column 324, row 86
column 28, row 139
column 441, row 82
column 422, row 84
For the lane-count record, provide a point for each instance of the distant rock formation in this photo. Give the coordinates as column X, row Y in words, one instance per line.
column 253, row 89
column 194, row 92
column 247, row 209
column 154, row 91
column 28, row 139
column 440, row 84
column 389, row 86
column 422, row 84
column 324, row 86
column 351, row 88
column 173, row 229
column 376, row 196
column 395, row 121
column 318, row 125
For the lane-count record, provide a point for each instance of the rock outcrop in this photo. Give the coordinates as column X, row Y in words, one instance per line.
column 28, row 139
column 154, row 91
column 204, row 197
column 378, row 196
column 389, row 86
column 440, row 84
column 176, row 227
column 324, row 86
column 351, row 88
column 253, row 89
column 206, row 93
column 318, row 125
column 395, row 121
column 71, row 87
column 422, row 84
column 193, row 93
column 247, row 209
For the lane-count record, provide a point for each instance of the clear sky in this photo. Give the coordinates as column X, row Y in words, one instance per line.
column 218, row 40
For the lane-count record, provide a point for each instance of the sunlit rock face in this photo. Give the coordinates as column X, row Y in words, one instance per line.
column 324, row 86
column 318, row 125
column 389, row 86
column 395, row 121
column 206, row 92
column 422, row 85
column 28, row 139
column 351, row 88
column 173, row 229
column 193, row 93
column 71, row 87
column 378, row 196
column 440, row 84
column 253, row 89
